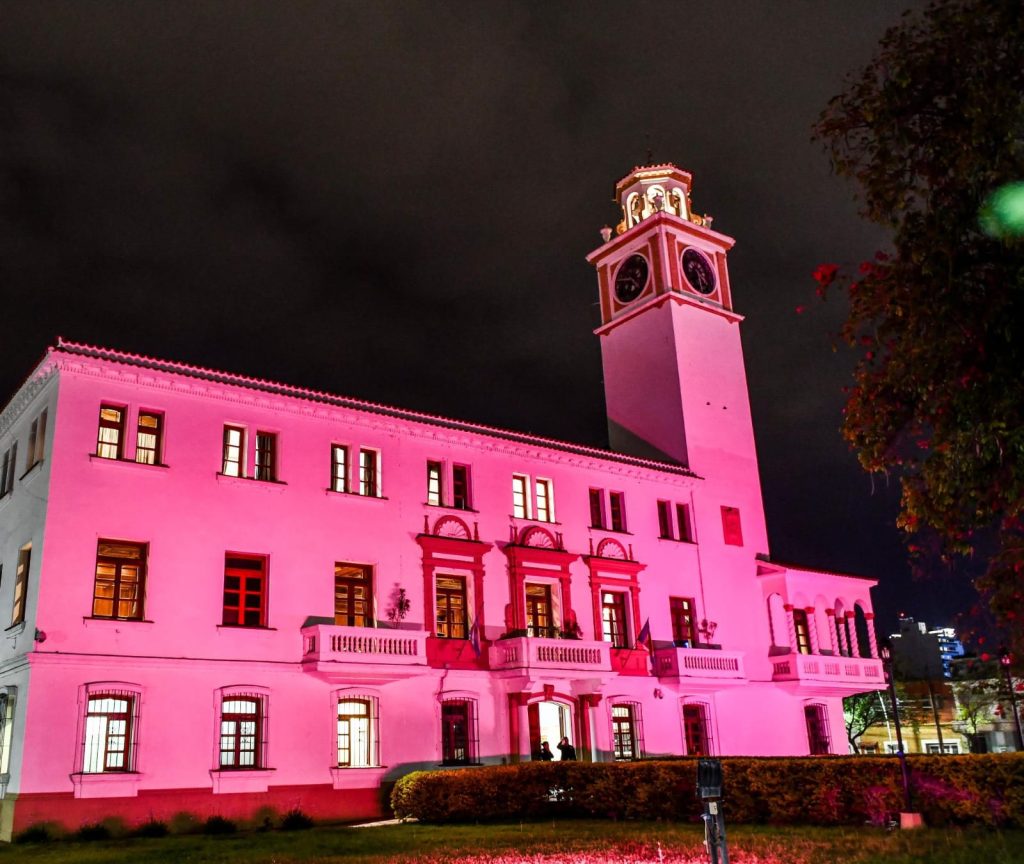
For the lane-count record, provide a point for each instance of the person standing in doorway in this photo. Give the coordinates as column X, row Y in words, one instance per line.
column 545, row 752
column 566, row 752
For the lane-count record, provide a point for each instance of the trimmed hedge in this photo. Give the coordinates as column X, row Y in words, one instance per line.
column 840, row 790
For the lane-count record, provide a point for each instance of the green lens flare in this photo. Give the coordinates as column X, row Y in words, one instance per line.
column 1002, row 215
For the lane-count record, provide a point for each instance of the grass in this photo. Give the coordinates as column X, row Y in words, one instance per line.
column 562, row 842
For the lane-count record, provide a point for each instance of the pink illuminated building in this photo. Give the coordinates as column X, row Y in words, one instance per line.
column 221, row 593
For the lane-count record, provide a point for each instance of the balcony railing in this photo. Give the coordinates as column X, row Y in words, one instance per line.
column 537, row 653
column 861, row 671
column 698, row 663
column 325, row 642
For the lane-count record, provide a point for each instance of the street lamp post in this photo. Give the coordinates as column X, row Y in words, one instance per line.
column 1005, row 660
column 891, row 681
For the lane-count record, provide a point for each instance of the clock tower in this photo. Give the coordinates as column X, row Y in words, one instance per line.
column 675, row 384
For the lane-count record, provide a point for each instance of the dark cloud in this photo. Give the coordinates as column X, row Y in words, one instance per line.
column 394, row 201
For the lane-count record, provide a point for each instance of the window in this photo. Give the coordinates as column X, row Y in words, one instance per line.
column 597, row 508
column 245, row 591
column 21, row 584
column 545, row 510
column 357, row 732
column 233, row 464
column 520, row 496
column 460, row 487
column 8, row 698
column 684, row 626
column 110, row 442
column 434, row 486
column 617, row 509
column 353, row 595
column 266, row 456
column 539, row 620
column 613, row 618
column 339, row 468
column 110, row 724
column 731, row 530
column 817, row 730
column 120, row 580
column 626, row 732
column 36, row 442
column 7, row 470
column 242, row 719
column 369, row 473
column 459, row 742
column 933, row 748
column 697, row 730
column 543, row 505
column 802, row 629
column 148, row 438
column 451, row 607
column 674, row 526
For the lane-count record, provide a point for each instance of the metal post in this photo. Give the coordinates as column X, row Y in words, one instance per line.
column 1005, row 660
column 709, row 790
column 890, row 679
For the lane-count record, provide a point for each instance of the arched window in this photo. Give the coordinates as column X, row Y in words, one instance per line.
column 627, row 731
column 460, row 743
column 818, row 738
column 357, row 731
column 697, row 729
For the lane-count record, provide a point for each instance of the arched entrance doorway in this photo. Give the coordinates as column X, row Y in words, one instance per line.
column 550, row 721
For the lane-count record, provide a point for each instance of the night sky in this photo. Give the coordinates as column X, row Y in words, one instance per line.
column 393, row 201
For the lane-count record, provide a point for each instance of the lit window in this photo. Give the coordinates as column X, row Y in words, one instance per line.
column 450, row 607
column 458, row 732
column 245, row 591
column 21, row 584
column 266, row 456
column 110, row 442
column 545, row 506
column 818, row 738
column 110, row 733
column 434, row 489
column 731, row 530
column 353, row 595
column 241, row 732
column 626, row 731
column 357, row 732
column 369, row 473
column 460, row 487
column 520, row 497
column 801, row 626
column 148, row 438
column 120, row 580
column 539, row 620
column 697, row 730
column 613, row 618
column 684, row 628
column 232, row 464
column 339, row 468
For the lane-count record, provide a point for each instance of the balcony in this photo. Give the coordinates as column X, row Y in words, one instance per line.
column 825, row 673
column 713, row 666
column 574, row 656
column 362, row 653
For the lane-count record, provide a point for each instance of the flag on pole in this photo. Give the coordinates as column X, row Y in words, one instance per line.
column 474, row 638
column 644, row 637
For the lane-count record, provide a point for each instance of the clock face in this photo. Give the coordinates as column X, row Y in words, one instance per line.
column 631, row 279
column 699, row 272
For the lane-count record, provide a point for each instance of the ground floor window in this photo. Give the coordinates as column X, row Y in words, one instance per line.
column 817, row 730
column 110, row 728
column 933, row 747
column 458, row 732
column 242, row 734
column 357, row 732
column 627, row 734
column 697, row 729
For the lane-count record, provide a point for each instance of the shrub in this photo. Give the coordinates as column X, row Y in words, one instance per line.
column 95, row 831
column 41, row 832
column 296, row 820
column 152, row 828
column 985, row 790
column 219, row 825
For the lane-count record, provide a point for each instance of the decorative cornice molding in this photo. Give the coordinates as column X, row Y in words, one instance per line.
column 25, row 394
column 366, row 416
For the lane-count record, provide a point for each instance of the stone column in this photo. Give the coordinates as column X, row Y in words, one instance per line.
column 790, row 626
column 851, row 631
column 872, row 636
column 833, row 632
column 812, row 628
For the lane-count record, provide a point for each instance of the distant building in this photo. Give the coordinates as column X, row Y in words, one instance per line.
column 920, row 653
column 950, row 648
column 224, row 593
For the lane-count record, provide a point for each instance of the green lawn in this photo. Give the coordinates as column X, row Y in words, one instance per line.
column 564, row 842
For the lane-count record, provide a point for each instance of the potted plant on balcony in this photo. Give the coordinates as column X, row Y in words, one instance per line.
column 400, row 606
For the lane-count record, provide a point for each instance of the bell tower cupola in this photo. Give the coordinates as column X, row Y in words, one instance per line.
column 674, row 379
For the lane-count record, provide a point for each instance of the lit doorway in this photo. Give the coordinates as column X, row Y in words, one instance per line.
column 550, row 721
